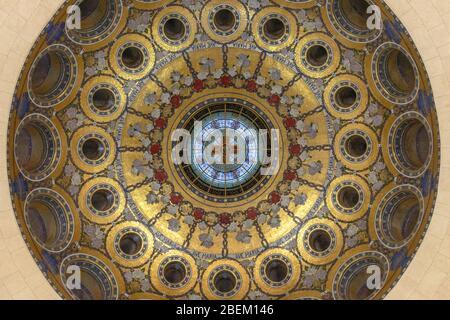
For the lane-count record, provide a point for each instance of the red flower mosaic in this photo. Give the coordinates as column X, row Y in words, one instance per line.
column 161, row 176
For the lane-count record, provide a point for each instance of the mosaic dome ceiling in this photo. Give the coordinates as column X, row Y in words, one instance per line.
column 352, row 129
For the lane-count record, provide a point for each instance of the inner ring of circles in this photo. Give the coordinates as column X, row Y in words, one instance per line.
column 106, row 150
column 237, row 278
column 335, row 197
column 347, row 136
column 281, row 40
column 187, row 270
column 304, row 55
column 143, row 50
column 320, row 227
column 218, row 31
column 113, row 108
column 335, row 90
column 115, row 202
column 187, row 28
column 129, row 230
column 265, row 263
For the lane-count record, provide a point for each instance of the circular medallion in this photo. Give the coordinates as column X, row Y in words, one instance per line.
column 99, row 281
column 351, row 278
column 101, row 200
column 130, row 244
column 50, row 219
column 224, row 22
column 174, row 28
column 348, row 198
column 408, row 157
column 320, row 241
column 48, row 91
column 274, row 29
column 317, row 55
column 38, row 147
column 225, row 279
column 93, row 149
column 100, row 20
column 346, row 97
column 356, row 22
column 174, row 273
column 357, row 146
column 132, row 57
column 398, row 215
column 277, row 271
column 103, row 99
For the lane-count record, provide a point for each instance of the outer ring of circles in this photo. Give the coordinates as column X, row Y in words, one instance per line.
column 67, row 225
column 54, row 138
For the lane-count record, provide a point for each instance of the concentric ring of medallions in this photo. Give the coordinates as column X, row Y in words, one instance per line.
column 115, row 195
column 409, row 138
column 50, row 219
column 286, row 38
column 38, row 147
column 234, row 30
column 185, row 17
column 225, row 270
column 112, row 108
column 397, row 215
column 140, row 254
column 359, row 137
column 351, row 23
column 100, row 279
column 48, row 91
column 324, row 255
column 349, row 275
column 337, row 204
column 100, row 21
column 328, row 60
column 393, row 72
column 357, row 104
column 268, row 262
column 105, row 152
column 142, row 47
column 174, row 273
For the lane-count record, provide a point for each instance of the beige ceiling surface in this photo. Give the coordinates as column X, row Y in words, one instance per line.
column 428, row 21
